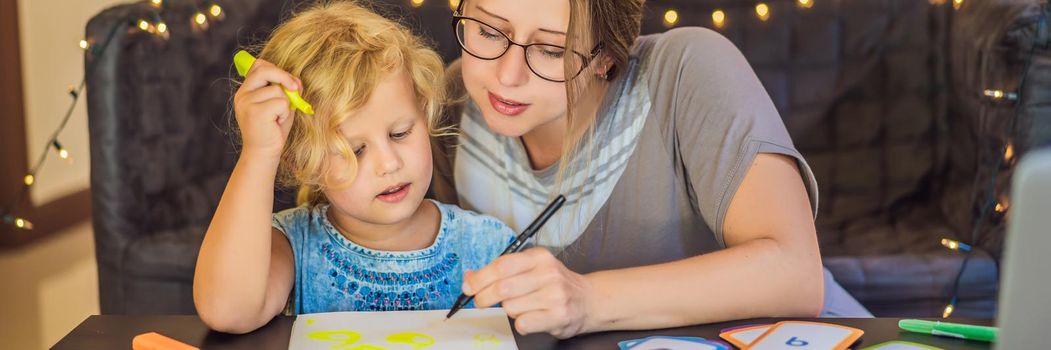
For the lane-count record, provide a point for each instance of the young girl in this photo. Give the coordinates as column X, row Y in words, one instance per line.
column 363, row 237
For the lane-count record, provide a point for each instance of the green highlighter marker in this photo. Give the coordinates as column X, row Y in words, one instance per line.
column 243, row 61
column 946, row 329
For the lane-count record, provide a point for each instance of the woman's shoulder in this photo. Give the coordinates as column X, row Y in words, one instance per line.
column 694, row 74
column 688, row 56
column 675, row 44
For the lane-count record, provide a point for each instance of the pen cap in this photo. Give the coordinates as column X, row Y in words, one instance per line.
column 243, row 61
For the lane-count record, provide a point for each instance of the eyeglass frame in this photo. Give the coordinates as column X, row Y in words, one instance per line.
column 458, row 16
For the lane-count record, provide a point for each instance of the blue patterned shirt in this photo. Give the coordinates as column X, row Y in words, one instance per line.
column 335, row 274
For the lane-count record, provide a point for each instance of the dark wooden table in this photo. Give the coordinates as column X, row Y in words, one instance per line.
column 116, row 332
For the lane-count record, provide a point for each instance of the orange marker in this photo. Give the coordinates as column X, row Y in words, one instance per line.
column 156, row 341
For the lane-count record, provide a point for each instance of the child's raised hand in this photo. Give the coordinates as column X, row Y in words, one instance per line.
column 262, row 110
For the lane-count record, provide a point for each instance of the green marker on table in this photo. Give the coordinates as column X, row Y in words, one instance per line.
column 243, row 61
column 954, row 330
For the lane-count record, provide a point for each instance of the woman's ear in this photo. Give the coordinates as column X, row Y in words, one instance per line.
column 603, row 66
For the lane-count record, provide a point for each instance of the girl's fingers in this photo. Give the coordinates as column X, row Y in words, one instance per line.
column 264, row 73
column 273, row 109
column 266, row 93
column 285, row 122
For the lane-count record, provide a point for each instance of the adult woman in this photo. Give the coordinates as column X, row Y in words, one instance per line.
column 687, row 202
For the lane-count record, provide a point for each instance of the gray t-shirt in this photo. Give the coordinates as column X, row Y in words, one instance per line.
column 708, row 118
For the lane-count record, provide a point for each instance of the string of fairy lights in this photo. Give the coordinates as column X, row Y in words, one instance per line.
column 994, row 202
column 719, row 15
column 208, row 12
column 204, row 13
column 671, row 16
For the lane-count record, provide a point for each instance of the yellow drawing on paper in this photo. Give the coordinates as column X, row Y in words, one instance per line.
column 343, row 339
column 415, row 340
column 346, row 339
column 486, row 340
column 481, row 329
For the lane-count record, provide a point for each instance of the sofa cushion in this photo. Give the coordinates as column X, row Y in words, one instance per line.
column 896, row 265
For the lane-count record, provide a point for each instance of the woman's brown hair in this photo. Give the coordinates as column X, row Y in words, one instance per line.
column 612, row 26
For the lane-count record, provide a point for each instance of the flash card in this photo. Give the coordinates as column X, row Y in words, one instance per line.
column 742, row 337
column 671, row 343
column 800, row 335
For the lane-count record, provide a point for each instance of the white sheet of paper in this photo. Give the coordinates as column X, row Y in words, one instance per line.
column 481, row 329
column 801, row 336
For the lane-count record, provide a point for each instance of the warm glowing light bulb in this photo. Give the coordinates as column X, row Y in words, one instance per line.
column 671, row 17
column 1001, row 207
column 23, row 224
column 718, row 18
column 956, row 245
column 763, row 11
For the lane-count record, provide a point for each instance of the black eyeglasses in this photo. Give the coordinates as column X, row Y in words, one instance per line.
column 546, row 61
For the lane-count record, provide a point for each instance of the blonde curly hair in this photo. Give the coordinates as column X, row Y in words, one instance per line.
column 341, row 51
